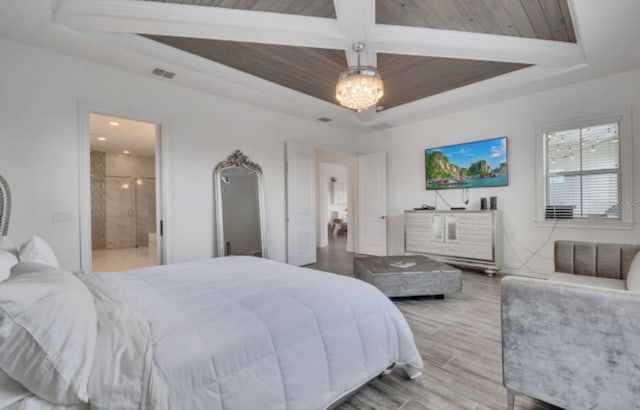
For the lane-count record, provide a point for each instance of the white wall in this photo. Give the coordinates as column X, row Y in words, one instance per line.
column 517, row 119
column 39, row 154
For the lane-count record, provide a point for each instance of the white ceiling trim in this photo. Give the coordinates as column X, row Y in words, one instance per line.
column 355, row 23
column 473, row 46
column 216, row 23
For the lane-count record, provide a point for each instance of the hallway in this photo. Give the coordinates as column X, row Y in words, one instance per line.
column 334, row 257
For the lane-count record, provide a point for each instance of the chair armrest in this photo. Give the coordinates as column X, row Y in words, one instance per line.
column 574, row 346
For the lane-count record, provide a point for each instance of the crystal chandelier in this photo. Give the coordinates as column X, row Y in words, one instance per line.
column 359, row 87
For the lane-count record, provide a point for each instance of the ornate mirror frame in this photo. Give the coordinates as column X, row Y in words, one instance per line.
column 237, row 159
column 5, row 206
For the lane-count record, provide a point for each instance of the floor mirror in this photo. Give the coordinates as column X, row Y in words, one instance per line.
column 239, row 207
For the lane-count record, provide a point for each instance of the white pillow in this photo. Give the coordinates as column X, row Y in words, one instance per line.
column 7, row 261
column 633, row 276
column 48, row 327
column 7, row 245
column 37, row 250
column 28, row 267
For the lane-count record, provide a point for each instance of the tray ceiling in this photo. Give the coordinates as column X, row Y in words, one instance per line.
column 314, row 71
column 407, row 77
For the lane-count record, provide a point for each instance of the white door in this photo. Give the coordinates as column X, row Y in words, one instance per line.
column 372, row 204
column 301, row 204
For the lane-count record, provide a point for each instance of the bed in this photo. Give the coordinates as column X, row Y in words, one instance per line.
column 235, row 332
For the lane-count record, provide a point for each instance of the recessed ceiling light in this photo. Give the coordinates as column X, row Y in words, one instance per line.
column 102, row 139
column 126, row 152
column 114, row 123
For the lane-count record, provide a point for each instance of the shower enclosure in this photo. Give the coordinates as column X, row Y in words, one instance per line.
column 130, row 211
column 123, row 208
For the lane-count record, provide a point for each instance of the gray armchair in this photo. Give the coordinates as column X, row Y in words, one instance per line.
column 574, row 340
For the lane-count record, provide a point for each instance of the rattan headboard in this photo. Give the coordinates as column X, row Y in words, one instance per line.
column 5, row 206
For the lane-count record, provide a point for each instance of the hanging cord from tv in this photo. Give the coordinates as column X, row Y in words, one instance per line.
column 465, row 196
column 441, row 197
column 524, row 264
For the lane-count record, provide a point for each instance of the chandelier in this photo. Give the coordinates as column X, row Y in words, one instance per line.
column 359, row 87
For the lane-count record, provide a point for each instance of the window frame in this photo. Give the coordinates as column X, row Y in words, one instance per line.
column 625, row 135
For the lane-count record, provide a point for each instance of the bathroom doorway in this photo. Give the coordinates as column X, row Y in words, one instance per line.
column 123, row 164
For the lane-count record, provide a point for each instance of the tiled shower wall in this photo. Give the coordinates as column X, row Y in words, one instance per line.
column 123, row 205
column 98, row 201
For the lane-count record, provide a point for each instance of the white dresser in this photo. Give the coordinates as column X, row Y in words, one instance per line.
column 465, row 238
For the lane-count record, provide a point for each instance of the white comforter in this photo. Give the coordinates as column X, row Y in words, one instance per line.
column 240, row 333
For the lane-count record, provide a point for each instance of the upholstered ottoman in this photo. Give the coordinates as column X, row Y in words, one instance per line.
column 426, row 277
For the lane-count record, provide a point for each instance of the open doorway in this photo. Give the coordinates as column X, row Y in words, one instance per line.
column 124, row 214
column 335, row 195
column 308, row 204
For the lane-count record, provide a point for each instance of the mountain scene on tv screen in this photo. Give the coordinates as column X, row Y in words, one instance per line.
column 475, row 164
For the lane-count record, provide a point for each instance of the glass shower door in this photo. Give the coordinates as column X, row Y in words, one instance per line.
column 121, row 214
column 145, row 209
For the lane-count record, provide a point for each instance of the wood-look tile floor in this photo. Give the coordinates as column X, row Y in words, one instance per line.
column 459, row 341
column 117, row 260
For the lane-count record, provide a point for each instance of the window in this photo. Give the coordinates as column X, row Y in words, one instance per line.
column 583, row 173
column 584, row 178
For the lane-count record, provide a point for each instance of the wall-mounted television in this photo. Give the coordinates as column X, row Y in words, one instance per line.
column 474, row 164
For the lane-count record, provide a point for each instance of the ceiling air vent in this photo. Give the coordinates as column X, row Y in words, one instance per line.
column 162, row 73
column 324, row 119
column 382, row 126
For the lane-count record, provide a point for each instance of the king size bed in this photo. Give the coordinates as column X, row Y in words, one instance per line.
column 233, row 332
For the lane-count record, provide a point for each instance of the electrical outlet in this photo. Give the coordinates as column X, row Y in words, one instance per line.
column 61, row 217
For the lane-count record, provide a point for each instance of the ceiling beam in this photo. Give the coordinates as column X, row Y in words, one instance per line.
column 356, row 22
column 473, row 46
column 356, row 19
column 169, row 19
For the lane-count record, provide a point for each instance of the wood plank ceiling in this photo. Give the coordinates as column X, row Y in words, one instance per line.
column 315, row 8
column 407, row 78
column 543, row 19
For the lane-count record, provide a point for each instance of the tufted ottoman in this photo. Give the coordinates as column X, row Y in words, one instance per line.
column 426, row 277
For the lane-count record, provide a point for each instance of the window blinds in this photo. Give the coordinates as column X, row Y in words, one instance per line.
column 583, row 176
